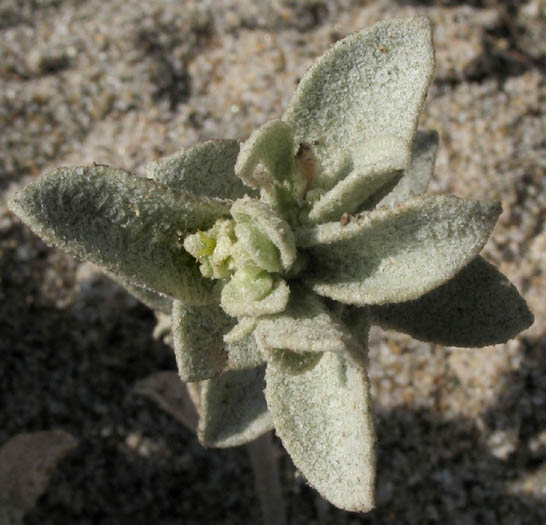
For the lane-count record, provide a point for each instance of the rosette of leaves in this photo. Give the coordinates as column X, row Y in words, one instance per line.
column 267, row 260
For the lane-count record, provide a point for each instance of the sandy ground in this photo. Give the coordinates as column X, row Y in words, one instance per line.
column 462, row 433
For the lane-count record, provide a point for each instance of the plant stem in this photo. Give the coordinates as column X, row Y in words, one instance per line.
column 266, row 479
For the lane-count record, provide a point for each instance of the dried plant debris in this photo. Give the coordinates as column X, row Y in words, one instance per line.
column 27, row 462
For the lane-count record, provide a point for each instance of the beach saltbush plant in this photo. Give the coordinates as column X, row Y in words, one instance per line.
column 267, row 260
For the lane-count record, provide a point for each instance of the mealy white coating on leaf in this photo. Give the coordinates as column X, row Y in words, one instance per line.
column 369, row 84
column 267, row 157
column 306, row 325
column 271, row 224
column 376, row 161
column 130, row 226
column 206, row 169
column 233, row 409
column 199, row 346
column 237, row 304
column 323, row 416
column 417, row 177
column 477, row 307
column 397, row 254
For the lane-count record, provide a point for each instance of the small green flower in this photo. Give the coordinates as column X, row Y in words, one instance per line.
column 272, row 257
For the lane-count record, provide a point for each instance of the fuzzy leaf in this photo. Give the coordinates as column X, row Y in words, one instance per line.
column 417, row 177
column 237, row 299
column 370, row 84
column 153, row 300
column 198, row 340
column 397, row 254
column 233, row 409
column 478, row 307
column 276, row 229
column 244, row 353
column 267, row 157
column 377, row 162
column 206, row 170
column 323, row 416
column 306, row 325
column 130, row 226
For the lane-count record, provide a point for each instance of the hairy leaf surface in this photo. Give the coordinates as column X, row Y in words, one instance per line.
column 323, row 416
column 376, row 163
column 417, row 177
column 233, row 409
column 369, row 84
column 130, row 226
column 478, row 307
column 397, row 254
column 267, row 157
column 198, row 340
column 306, row 325
column 206, row 169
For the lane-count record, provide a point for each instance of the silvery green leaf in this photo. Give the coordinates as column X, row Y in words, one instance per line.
column 417, row 177
column 132, row 227
column 244, row 353
column 153, row 300
column 276, row 229
column 236, row 299
column 478, row 307
column 376, row 162
column 245, row 326
column 232, row 409
column 397, row 254
column 206, row 169
column 306, row 325
column 267, row 157
column 198, row 340
column 369, row 84
column 323, row 416
column 357, row 320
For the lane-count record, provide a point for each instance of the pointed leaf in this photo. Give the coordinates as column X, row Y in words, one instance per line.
column 206, row 170
column 369, row 84
column 397, row 254
column 377, row 162
column 306, row 325
column 233, row 409
column 237, row 299
column 198, row 340
column 478, row 307
column 323, row 416
column 417, row 177
column 130, row 226
column 267, row 157
column 153, row 300
column 276, row 229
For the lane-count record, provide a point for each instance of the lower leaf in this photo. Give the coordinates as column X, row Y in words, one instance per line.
column 478, row 307
column 233, row 409
column 323, row 416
